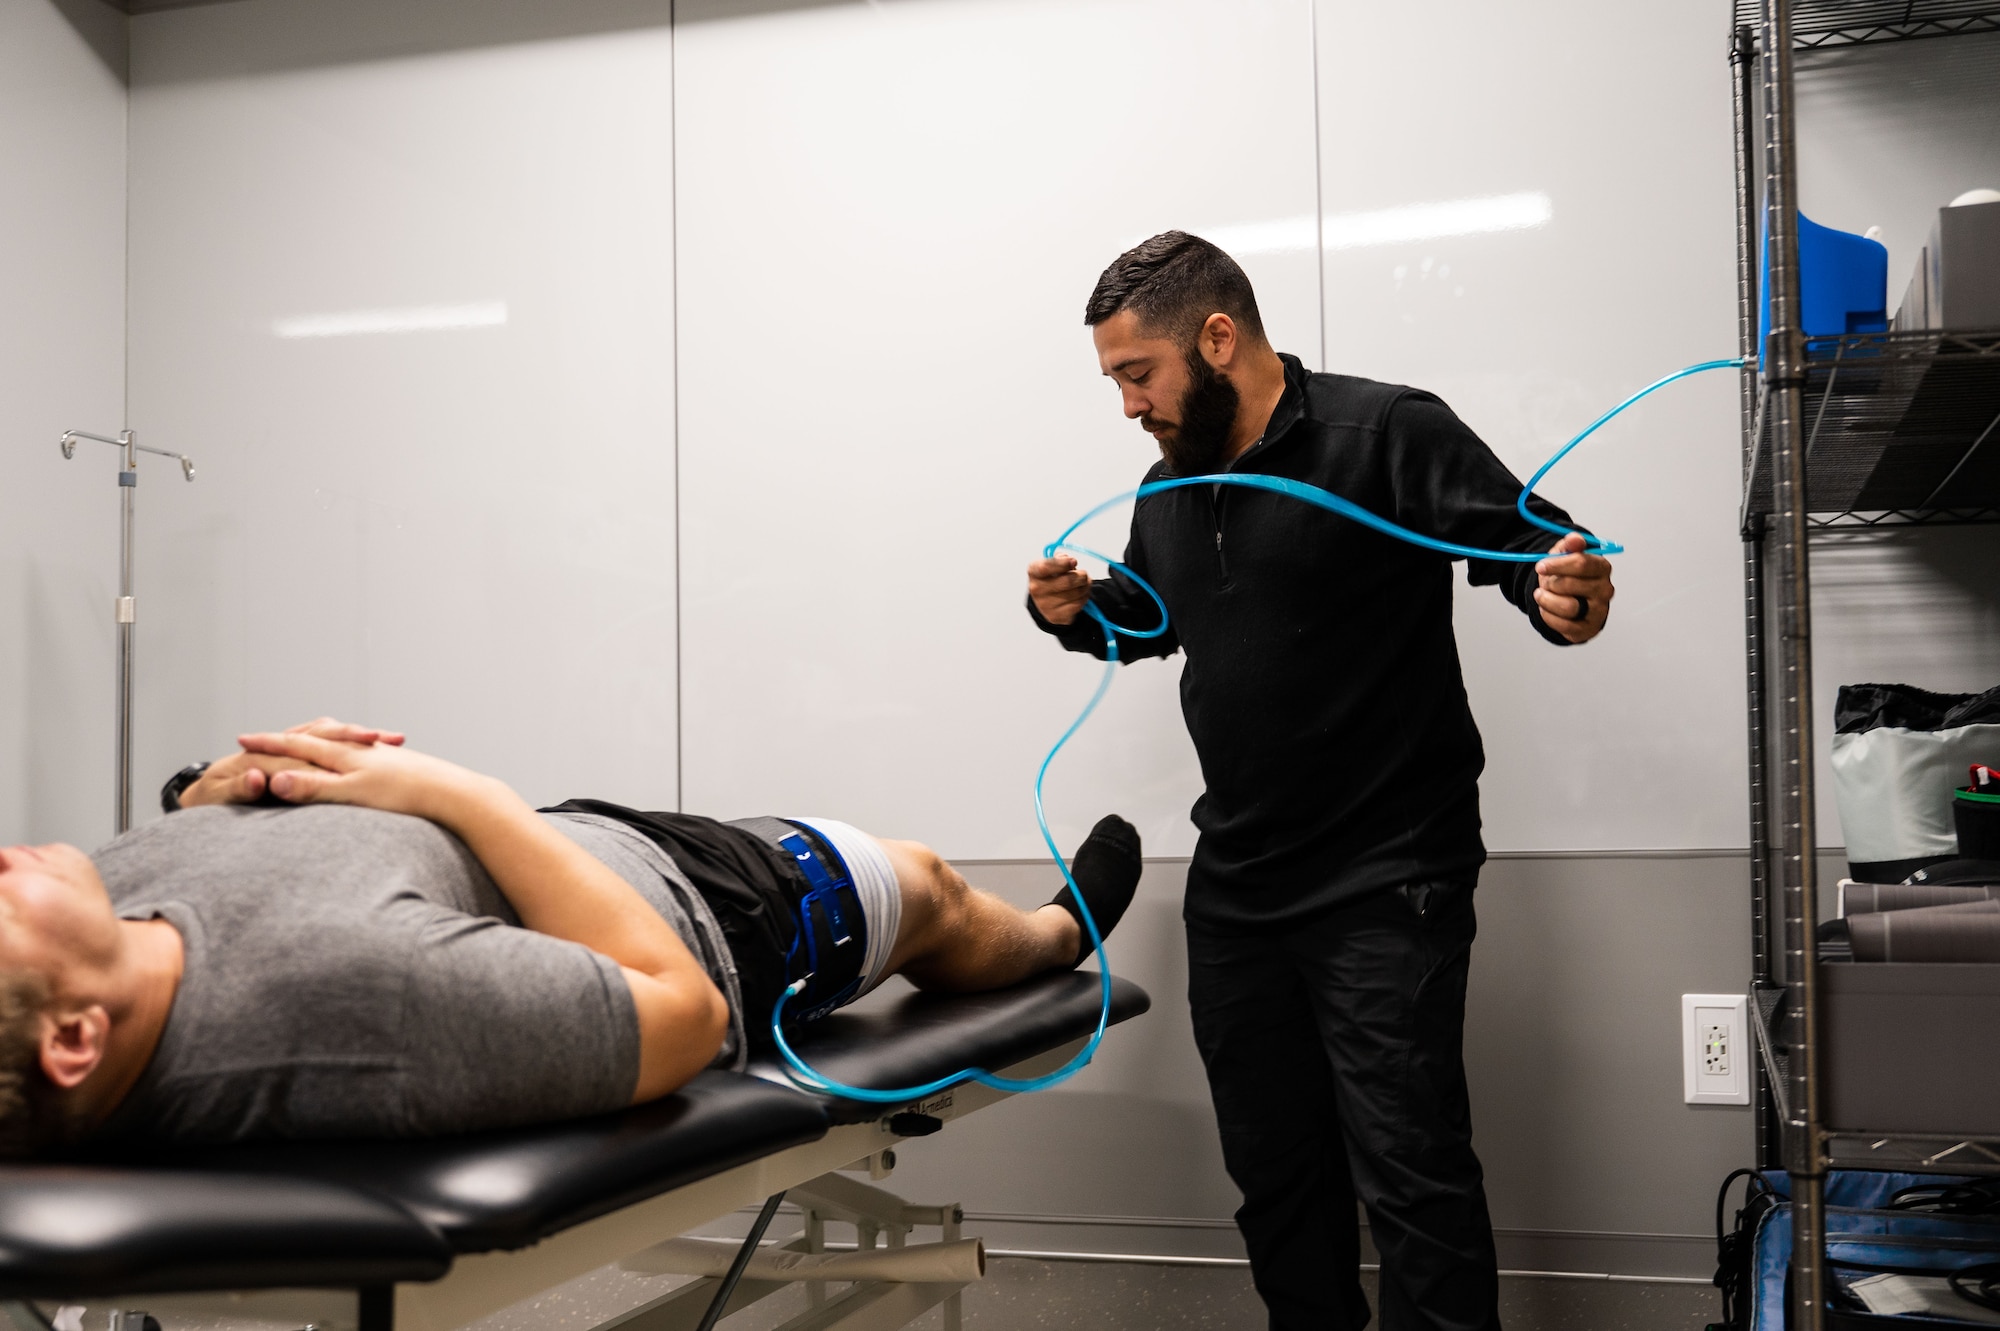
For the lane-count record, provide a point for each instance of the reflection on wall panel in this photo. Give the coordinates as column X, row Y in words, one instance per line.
column 890, row 218
column 1532, row 218
column 405, row 286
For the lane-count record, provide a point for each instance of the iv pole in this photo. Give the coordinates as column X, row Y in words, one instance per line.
column 126, row 611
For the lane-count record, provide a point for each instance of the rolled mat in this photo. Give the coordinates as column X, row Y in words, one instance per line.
column 1867, row 898
column 919, row 1263
column 1969, row 931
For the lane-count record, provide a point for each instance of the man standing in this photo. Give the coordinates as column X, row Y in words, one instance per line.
column 1329, row 905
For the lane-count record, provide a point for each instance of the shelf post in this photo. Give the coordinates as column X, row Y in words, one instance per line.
column 1743, row 96
column 1783, row 373
column 1743, row 90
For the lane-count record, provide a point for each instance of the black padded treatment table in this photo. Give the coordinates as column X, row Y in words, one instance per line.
column 431, row 1235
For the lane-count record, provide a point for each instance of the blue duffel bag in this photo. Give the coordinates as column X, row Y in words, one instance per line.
column 1878, row 1223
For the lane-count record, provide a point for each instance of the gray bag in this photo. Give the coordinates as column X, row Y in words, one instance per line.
column 1898, row 753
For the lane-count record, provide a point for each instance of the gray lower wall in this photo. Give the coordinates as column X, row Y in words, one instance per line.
column 1593, row 1162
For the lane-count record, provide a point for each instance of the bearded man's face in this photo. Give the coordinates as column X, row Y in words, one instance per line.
column 1198, row 442
column 1185, row 403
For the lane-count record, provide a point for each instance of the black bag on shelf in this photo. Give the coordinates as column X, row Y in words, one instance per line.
column 1862, row 707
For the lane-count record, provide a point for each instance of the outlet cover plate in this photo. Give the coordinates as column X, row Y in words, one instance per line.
column 1715, row 1049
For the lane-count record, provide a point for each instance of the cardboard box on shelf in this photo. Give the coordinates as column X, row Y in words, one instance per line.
column 1956, row 283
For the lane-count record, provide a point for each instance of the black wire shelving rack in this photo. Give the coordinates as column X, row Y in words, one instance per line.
column 1901, row 429
column 1819, row 24
column 1841, row 436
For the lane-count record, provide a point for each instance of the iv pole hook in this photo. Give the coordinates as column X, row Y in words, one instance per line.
column 125, row 613
column 125, row 438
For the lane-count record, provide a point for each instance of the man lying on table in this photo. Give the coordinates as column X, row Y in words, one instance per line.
column 414, row 951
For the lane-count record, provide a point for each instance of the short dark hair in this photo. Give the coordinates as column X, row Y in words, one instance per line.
column 1174, row 282
column 33, row 1116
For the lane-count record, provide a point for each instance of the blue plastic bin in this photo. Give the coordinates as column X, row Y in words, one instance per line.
column 1843, row 283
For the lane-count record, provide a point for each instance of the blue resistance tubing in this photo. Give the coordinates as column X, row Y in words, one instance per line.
column 1310, row 494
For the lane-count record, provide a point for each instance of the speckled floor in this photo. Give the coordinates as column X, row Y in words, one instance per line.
column 1016, row 1295
column 1112, row 1297
column 1539, row 1304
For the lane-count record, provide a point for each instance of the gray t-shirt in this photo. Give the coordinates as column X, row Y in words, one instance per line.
column 352, row 973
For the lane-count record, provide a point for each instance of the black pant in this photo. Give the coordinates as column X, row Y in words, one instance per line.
column 1333, row 1051
column 753, row 888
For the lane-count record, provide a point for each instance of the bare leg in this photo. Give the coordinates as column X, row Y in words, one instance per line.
column 957, row 939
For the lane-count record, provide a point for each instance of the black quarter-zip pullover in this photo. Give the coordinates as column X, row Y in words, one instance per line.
column 1322, row 684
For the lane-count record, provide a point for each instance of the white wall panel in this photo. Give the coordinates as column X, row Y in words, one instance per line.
column 402, row 283
column 62, row 366
column 1615, row 122
column 890, row 218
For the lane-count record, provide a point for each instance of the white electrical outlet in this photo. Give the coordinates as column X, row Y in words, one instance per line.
column 1715, row 1049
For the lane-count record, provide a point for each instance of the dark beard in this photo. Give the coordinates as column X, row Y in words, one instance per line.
column 1208, row 409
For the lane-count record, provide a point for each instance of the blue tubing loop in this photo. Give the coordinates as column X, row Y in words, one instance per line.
column 1521, row 502
column 805, row 1073
column 1309, row 494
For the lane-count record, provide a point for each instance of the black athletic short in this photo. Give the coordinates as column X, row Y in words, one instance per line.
column 753, row 887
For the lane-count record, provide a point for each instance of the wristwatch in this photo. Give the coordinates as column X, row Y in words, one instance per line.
column 170, row 794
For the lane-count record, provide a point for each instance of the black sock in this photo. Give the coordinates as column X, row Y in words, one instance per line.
column 1107, row 868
